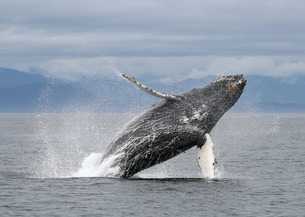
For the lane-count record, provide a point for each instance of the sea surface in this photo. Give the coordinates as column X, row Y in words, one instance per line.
column 47, row 169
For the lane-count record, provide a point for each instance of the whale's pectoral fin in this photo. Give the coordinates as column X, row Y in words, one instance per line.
column 151, row 91
column 205, row 157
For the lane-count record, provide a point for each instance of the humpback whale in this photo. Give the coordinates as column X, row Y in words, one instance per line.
column 174, row 125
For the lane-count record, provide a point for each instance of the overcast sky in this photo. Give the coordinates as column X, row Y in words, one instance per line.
column 173, row 40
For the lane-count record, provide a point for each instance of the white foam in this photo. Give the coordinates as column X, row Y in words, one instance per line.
column 91, row 167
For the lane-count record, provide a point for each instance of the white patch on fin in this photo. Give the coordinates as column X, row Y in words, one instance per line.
column 205, row 158
column 151, row 91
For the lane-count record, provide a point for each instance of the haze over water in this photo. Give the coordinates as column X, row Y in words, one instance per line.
column 260, row 170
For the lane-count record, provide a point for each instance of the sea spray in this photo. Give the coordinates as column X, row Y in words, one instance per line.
column 158, row 172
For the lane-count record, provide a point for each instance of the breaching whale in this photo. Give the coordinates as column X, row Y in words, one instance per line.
column 174, row 125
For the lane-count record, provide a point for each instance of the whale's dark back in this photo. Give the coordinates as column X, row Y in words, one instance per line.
column 173, row 126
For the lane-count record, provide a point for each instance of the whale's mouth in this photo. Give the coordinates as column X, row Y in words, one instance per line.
column 237, row 86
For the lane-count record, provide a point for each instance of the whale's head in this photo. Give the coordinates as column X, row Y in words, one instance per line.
column 212, row 101
column 231, row 86
column 224, row 92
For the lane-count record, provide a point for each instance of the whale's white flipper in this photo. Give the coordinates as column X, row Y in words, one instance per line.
column 205, row 158
column 151, row 91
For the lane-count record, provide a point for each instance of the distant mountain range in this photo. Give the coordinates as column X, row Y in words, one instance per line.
column 24, row 92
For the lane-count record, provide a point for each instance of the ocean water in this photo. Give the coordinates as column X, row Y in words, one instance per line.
column 48, row 168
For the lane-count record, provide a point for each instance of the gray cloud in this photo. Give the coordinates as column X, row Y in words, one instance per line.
column 193, row 36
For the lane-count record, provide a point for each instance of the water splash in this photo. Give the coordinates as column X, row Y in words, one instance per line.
column 219, row 172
